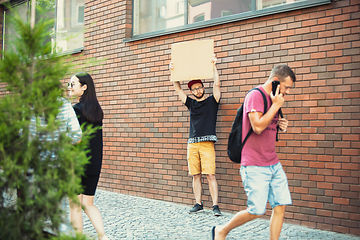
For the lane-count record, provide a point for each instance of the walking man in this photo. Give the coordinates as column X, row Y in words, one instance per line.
column 202, row 136
column 261, row 171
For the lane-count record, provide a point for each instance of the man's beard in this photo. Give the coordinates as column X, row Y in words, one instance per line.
column 200, row 96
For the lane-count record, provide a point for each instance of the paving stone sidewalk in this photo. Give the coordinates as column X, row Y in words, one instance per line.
column 128, row 217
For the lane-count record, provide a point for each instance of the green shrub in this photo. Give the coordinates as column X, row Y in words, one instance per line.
column 32, row 71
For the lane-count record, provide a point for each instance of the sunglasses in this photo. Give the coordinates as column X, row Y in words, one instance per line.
column 70, row 84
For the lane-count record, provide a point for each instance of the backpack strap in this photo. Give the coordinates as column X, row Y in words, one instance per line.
column 277, row 127
column 265, row 110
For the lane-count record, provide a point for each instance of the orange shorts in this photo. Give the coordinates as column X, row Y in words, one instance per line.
column 201, row 158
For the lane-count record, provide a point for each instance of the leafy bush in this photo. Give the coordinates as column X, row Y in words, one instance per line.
column 31, row 71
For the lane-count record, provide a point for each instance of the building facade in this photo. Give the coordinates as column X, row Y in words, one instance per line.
column 146, row 125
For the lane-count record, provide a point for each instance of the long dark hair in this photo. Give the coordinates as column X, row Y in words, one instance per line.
column 90, row 107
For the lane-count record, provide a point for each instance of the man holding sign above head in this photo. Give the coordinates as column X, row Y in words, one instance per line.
column 200, row 148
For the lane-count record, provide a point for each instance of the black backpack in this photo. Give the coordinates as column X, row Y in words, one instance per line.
column 234, row 144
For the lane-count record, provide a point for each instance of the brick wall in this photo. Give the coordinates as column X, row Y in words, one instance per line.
column 146, row 125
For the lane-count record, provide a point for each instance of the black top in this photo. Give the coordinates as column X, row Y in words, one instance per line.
column 203, row 116
column 95, row 145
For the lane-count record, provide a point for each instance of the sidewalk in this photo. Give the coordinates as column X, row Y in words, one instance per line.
column 128, row 217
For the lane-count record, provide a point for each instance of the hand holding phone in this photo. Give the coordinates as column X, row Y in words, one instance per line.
column 274, row 86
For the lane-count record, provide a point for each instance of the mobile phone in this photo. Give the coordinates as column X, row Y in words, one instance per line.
column 274, row 86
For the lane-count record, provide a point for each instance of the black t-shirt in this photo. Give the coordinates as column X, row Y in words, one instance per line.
column 95, row 146
column 203, row 116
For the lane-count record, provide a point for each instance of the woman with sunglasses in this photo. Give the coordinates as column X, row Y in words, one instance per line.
column 89, row 111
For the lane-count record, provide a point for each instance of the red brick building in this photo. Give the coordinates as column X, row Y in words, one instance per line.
column 146, row 125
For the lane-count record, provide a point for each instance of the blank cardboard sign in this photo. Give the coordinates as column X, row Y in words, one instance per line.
column 192, row 60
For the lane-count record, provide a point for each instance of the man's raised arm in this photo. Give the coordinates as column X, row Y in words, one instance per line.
column 216, row 86
column 177, row 86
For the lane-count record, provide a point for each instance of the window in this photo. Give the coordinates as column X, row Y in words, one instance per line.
column 80, row 14
column 69, row 24
column 154, row 15
column 271, row 3
column 199, row 18
column 67, row 34
column 8, row 31
column 158, row 17
column 225, row 13
column 180, row 7
column 215, row 8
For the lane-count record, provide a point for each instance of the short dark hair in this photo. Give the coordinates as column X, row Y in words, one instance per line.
column 282, row 71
